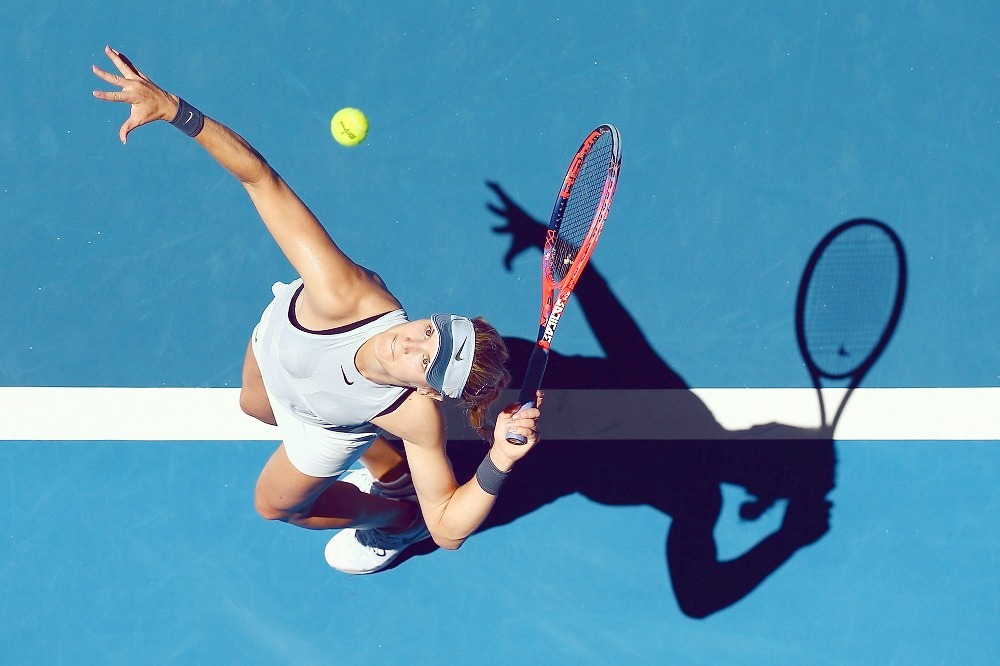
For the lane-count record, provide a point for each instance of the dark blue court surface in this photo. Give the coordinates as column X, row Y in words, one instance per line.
column 749, row 131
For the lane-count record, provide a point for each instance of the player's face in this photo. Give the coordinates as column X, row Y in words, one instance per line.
column 405, row 352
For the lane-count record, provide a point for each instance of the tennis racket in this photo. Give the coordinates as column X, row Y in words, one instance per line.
column 848, row 305
column 576, row 223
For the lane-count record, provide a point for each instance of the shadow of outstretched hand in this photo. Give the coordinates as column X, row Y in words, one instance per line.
column 525, row 231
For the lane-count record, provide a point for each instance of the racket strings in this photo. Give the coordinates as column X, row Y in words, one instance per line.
column 851, row 298
column 582, row 205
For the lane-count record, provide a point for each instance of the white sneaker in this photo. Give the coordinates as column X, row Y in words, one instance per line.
column 364, row 551
column 361, row 478
column 355, row 551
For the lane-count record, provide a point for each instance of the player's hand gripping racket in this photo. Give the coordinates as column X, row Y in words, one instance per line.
column 848, row 306
column 576, row 223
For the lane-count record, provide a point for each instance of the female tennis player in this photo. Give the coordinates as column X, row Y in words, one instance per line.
column 335, row 363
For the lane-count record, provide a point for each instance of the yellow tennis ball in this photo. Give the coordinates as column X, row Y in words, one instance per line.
column 349, row 126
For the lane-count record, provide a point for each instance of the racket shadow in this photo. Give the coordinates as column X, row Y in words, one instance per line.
column 681, row 479
column 849, row 303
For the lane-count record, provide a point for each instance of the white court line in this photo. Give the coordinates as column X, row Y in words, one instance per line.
column 213, row 414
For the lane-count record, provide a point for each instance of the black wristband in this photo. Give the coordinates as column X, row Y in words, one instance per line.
column 188, row 119
column 489, row 477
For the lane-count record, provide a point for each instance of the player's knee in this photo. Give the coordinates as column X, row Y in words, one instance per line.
column 268, row 511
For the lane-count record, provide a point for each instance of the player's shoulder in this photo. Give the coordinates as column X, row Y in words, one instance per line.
column 418, row 419
column 347, row 301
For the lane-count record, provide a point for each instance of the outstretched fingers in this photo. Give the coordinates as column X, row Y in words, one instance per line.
column 128, row 72
column 115, row 80
column 123, row 95
column 148, row 102
column 120, row 80
column 123, row 64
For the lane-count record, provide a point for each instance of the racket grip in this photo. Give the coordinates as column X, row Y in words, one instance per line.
column 515, row 438
column 532, row 381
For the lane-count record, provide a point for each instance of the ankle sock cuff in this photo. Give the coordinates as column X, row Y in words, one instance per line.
column 401, row 487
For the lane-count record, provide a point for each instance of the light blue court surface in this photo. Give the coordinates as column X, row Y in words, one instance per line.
column 749, row 129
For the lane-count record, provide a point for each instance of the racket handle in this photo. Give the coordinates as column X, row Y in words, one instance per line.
column 532, row 382
column 515, row 438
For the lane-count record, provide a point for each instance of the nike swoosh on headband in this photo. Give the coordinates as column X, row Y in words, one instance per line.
column 458, row 354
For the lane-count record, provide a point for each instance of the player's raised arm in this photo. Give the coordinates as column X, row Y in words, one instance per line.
column 336, row 288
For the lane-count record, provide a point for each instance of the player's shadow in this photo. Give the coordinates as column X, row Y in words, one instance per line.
column 682, row 479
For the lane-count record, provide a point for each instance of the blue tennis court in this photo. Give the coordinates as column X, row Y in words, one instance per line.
column 681, row 508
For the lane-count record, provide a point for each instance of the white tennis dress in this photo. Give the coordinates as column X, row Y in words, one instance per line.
column 311, row 376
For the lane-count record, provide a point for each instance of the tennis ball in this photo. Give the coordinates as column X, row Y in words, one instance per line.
column 349, row 126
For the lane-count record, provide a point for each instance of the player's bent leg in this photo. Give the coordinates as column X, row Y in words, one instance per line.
column 374, row 527
column 286, row 494
column 253, row 397
column 282, row 491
